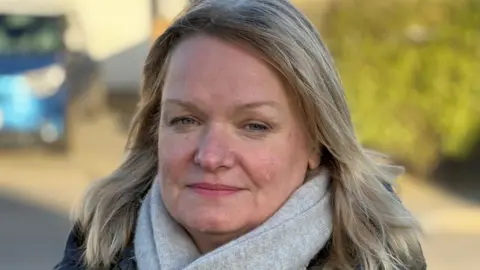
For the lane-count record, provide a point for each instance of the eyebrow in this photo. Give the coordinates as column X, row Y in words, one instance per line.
column 183, row 104
column 245, row 106
column 257, row 104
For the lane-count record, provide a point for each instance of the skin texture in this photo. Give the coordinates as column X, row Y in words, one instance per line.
column 226, row 120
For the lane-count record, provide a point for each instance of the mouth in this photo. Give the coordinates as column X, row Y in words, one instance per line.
column 213, row 189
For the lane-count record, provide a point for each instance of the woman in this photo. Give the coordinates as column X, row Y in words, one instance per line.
column 242, row 155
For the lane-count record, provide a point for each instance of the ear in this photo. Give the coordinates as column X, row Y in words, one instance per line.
column 314, row 160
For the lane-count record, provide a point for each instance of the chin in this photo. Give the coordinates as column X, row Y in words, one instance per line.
column 213, row 223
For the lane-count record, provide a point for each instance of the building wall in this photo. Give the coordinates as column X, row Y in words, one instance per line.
column 111, row 27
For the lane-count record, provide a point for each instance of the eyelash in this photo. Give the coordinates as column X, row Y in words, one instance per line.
column 178, row 120
column 263, row 127
column 257, row 127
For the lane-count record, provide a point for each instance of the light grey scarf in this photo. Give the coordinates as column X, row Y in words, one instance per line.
column 287, row 240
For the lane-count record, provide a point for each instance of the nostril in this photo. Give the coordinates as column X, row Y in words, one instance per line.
column 208, row 158
column 213, row 156
column 214, row 149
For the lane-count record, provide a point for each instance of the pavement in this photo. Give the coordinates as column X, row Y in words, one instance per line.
column 39, row 189
column 451, row 225
column 31, row 237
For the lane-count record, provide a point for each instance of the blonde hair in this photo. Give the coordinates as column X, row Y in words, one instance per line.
column 371, row 227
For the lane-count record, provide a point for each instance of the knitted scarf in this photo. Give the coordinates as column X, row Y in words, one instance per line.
column 287, row 240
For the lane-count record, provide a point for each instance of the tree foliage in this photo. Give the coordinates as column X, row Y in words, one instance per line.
column 411, row 70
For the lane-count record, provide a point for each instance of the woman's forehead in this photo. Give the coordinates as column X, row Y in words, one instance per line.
column 208, row 67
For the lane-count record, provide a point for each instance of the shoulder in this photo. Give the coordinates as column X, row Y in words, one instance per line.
column 73, row 252
column 73, row 255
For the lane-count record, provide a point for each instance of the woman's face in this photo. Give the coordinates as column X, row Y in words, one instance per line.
column 231, row 148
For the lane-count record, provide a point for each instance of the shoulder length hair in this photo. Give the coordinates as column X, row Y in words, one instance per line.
column 371, row 227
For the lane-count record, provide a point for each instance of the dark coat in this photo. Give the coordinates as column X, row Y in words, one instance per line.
column 72, row 258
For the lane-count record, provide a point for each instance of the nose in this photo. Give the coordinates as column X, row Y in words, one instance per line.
column 214, row 150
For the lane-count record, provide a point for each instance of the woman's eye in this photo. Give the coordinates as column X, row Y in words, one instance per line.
column 183, row 121
column 257, row 127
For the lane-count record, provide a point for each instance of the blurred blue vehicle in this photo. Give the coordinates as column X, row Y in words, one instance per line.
column 34, row 93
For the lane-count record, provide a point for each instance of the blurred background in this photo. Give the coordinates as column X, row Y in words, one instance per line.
column 70, row 72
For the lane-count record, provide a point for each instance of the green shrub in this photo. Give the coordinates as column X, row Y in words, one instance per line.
column 411, row 70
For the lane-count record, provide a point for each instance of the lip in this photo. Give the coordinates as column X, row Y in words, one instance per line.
column 208, row 189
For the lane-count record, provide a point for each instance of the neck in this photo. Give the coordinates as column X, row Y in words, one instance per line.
column 207, row 243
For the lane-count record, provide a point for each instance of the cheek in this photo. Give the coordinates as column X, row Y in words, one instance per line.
column 281, row 163
column 265, row 167
column 174, row 154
